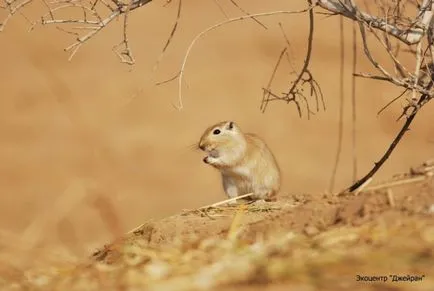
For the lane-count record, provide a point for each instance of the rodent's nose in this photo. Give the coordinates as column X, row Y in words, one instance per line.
column 202, row 146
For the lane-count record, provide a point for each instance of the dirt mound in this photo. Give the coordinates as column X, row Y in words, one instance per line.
column 360, row 241
column 379, row 239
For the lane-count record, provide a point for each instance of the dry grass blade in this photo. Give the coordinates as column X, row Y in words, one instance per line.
column 204, row 209
column 226, row 201
column 391, row 198
column 234, row 229
column 395, row 183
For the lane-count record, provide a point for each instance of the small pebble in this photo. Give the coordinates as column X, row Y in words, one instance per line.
column 311, row 230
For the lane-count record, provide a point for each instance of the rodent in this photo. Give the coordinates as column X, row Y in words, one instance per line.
column 244, row 160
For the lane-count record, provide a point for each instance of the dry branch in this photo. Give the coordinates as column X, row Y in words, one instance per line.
column 204, row 32
column 404, row 30
column 406, row 126
column 407, row 35
column 94, row 17
column 304, row 76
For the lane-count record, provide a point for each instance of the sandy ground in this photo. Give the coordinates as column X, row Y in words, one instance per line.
column 380, row 239
column 92, row 148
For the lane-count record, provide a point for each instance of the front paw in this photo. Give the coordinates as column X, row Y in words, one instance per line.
column 211, row 161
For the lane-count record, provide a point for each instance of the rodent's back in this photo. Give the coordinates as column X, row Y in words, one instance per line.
column 259, row 164
column 260, row 151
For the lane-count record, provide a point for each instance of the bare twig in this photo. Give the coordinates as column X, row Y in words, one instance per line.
column 204, row 32
column 73, row 48
column 417, row 69
column 247, row 13
column 290, row 51
column 12, row 10
column 295, row 92
column 391, row 102
column 266, row 94
column 125, row 54
column 168, row 80
column 169, row 40
column 404, row 129
column 397, row 64
column 361, row 188
column 353, row 103
column 221, row 8
column 386, row 74
column 341, row 103
column 308, row 56
column 409, row 36
column 93, row 20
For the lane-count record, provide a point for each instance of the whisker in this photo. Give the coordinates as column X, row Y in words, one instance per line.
column 193, row 146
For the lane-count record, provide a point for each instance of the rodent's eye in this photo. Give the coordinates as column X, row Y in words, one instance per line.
column 216, row 131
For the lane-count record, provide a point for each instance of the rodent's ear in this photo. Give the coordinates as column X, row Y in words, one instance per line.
column 230, row 125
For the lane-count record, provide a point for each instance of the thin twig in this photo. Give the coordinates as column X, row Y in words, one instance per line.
column 341, row 104
column 308, row 53
column 295, row 92
column 290, row 50
column 362, row 187
column 391, row 102
column 417, row 68
column 168, row 80
column 409, row 36
column 12, row 11
column 169, row 40
column 392, row 146
column 266, row 93
column 354, row 104
column 221, row 8
column 201, row 34
column 73, row 48
column 125, row 55
column 247, row 13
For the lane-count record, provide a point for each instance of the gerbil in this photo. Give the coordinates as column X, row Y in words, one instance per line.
column 244, row 160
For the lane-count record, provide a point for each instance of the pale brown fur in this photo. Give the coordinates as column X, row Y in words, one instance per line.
column 244, row 160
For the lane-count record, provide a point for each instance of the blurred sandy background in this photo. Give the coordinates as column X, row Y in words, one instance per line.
column 94, row 125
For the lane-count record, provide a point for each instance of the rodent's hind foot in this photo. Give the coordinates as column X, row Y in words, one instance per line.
column 259, row 202
column 267, row 196
column 232, row 203
column 270, row 199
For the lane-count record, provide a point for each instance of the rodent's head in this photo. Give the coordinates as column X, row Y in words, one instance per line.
column 224, row 134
